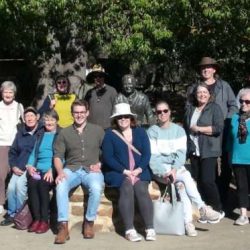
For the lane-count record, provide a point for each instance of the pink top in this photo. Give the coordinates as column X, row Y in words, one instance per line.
column 132, row 165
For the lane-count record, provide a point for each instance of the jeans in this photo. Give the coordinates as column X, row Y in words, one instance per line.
column 94, row 182
column 16, row 193
column 187, row 191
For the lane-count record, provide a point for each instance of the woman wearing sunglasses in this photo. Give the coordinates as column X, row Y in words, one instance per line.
column 126, row 155
column 60, row 101
column 204, row 124
column 168, row 155
column 239, row 144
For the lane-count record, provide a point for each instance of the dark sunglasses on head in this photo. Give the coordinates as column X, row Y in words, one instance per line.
column 159, row 112
column 123, row 117
column 244, row 101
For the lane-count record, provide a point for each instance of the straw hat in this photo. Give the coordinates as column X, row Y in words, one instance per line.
column 96, row 70
column 122, row 109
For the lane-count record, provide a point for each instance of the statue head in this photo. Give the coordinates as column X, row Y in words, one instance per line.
column 128, row 84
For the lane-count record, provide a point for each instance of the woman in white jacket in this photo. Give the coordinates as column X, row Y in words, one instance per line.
column 11, row 113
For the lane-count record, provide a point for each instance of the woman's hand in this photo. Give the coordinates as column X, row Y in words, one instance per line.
column 195, row 129
column 171, row 175
column 31, row 170
column 136, row 172
column 17, row 171
column 48, row 176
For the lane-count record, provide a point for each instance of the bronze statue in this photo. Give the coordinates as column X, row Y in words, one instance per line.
column 138, row 101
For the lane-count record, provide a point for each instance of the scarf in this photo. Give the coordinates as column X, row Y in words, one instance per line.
column 242, row 128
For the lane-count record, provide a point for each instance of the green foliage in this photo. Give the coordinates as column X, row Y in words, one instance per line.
column 137, row 32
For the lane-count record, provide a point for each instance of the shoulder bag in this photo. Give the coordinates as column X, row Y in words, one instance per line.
column 169, row 216
column 23, row 217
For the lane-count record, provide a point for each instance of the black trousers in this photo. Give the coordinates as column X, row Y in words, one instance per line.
column 204, row 172
column 242, row 176
column 127, row 203
column 39, row 198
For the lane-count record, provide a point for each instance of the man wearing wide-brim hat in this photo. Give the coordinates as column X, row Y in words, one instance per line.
column 224, row 96
column 101, row 97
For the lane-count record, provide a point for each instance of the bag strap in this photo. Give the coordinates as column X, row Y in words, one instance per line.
column 173, row 194
column 128, row 143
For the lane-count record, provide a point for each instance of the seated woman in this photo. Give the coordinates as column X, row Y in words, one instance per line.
column 168, row 156
column 239, row 145
column 126, row 155
column 40, row 174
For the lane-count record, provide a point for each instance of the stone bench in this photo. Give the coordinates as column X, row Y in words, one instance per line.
column 108, row 218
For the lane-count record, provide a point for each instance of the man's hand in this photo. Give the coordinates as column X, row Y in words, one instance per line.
column 95, row 168
column 60, row 177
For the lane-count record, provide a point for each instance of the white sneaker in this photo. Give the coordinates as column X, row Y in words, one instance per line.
column 150, row 234
column 208, row 215
column 132, row 235
column 242, row 220
column 190, row 229
column 1, row 209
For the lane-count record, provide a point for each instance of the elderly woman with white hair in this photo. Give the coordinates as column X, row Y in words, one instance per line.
column 11, row 112
column 239, row 144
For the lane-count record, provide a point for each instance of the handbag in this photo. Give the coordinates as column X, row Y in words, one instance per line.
column 169, row 216
column 23, row 218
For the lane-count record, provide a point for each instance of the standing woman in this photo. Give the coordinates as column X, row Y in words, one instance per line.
column 11, row 113
column 239, row 145
column 127, row 168
column 204, row 126
column 40, row 174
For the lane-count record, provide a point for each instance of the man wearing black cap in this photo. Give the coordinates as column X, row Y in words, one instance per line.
column 101, row 98
column 18, row 156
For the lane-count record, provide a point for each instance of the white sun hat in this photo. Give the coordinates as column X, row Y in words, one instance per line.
column 122, row 109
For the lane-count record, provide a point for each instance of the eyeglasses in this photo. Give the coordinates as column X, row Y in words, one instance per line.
column 244, row 101
column 61, row 82
column 123, row 117
column 79, row 113
column 164, row 111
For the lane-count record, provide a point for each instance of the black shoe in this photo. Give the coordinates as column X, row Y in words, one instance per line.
column 7, row 221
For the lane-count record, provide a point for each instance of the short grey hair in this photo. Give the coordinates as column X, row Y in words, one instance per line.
column 241, row 93
column 8, row 85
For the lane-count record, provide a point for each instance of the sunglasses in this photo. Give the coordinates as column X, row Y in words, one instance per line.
column 123, row 117
column 244, row 101
column 164, row 111
column 61, row 82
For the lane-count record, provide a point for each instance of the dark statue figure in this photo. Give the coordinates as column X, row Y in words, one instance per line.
column 138, row 101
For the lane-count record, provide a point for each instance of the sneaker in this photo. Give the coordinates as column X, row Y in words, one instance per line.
column 190, row 229
column 7, row 221
column 1, row 209
column 150, row 234
column 132, row 235
column 208, row 215
column 242, row 220
column 222, row 214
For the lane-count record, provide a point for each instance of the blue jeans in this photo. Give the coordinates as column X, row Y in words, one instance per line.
column 94, row 182
column 16, row 193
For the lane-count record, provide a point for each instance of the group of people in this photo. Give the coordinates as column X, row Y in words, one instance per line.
column 100, row 140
